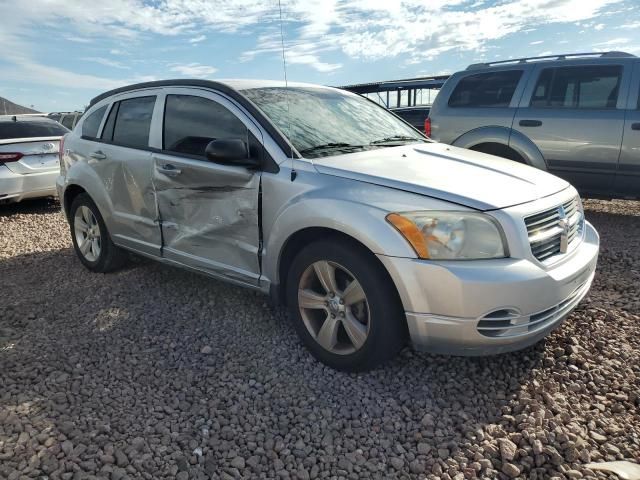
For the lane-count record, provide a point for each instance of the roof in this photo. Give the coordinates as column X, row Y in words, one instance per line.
column 224, row 85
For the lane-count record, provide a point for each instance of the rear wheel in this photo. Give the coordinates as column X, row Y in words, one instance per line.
column 344, row 306
column 90, row 237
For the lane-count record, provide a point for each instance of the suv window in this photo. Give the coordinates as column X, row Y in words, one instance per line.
column 493, row 89
column 191, row 122
column 133, row 122
column 30, row 129
column 67, row 121
column 578, row 87
column 92, row 123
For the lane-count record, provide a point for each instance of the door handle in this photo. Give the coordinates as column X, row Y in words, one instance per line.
column 530, row 123
column 635, row 126
column 98, row 155
column 169, row 170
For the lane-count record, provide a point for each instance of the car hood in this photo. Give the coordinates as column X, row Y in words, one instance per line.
column 457, row 175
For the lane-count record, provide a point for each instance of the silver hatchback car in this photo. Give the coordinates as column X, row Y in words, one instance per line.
column 369, row 232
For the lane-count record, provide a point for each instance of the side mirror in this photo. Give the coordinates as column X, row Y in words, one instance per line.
column 230, row 152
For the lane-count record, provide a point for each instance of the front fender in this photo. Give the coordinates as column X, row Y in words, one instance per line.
column 356, row 209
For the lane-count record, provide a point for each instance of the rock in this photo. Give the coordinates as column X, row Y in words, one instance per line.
column 238, row 462
column 510, row 470
column 206, row 350
column 508, row 449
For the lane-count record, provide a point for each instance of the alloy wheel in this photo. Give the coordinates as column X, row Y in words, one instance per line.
column 334, row 307
column 87, row 231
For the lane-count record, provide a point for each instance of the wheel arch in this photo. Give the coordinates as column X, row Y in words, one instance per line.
column 508, row 139
column 70, row 193
column 299, row 239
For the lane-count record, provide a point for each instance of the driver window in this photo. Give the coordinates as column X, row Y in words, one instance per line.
column 191, row 122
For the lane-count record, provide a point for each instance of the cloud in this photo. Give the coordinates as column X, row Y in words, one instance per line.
column 316, row 31
column 193, row 70
column 537, row 42
column 106, row 62
column 198, row 39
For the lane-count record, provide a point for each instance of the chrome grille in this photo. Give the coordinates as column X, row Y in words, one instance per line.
column 555, row 231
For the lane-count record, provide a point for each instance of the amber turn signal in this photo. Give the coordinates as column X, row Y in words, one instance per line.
column 410, row 232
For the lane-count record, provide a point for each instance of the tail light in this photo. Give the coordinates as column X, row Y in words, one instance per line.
column 6, row 157
column 61, row 149
column 427, row 127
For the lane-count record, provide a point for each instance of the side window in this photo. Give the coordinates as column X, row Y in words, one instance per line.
column 493, row 89
column 191, row 122
column 588, row 87
column 133, row 121
column 67, row 121
column 92, row 123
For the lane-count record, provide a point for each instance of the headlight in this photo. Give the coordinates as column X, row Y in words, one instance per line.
column 450, row 235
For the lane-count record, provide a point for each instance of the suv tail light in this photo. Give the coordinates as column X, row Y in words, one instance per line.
column 427, row 127
column 6, row 157
column 61, row 149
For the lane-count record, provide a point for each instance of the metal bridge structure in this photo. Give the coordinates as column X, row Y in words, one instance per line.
column 410, row 92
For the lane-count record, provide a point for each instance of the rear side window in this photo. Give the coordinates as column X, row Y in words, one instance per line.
column 133, row 122
column 67, row 121
column 585, row 87
column 493, row 89
column 191, row 122
column 30, row 129
column 92, row 123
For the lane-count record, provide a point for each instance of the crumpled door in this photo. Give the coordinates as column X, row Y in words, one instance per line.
column 209, row 216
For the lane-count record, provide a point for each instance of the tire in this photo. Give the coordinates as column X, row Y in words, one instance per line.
column 338, row 341
column 106, row 257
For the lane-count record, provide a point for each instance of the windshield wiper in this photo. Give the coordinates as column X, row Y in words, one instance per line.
column 397, row 138
column 331, row 146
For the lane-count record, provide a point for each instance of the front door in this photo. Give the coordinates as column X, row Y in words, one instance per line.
column 208, row 212
column 575, row 118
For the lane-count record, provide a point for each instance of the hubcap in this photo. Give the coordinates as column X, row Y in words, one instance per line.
column 334, row 307
column 87, row 233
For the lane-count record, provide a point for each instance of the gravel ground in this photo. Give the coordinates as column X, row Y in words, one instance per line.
column 152, row 372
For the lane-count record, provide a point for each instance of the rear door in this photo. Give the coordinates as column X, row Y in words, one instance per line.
column 209, row 212
column 477, row 100
column 121, row 157
column 627, row 181
column 575, row 115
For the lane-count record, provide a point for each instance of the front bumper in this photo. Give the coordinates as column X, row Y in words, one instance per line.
column 485, row 307
column 15, row 187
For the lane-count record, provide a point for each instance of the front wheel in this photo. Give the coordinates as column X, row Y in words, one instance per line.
column 90, row 237
column 344, row 306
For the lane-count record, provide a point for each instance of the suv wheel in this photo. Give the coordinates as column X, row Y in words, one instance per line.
column 344, row 306
column 91, row 241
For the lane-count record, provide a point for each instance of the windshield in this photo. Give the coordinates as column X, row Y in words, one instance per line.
column 322, row 122
column 30, row 128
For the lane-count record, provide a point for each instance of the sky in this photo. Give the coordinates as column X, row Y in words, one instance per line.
column 55, row 55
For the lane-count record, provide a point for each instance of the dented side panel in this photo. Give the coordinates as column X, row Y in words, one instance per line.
column 209, row 216
column 126, row 176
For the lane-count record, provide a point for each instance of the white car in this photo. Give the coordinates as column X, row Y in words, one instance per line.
column 29, row 162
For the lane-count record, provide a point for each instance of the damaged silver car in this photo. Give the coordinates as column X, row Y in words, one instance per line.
column 372, row 234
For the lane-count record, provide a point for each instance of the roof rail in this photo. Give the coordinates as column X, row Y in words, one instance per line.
column 562, row 56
